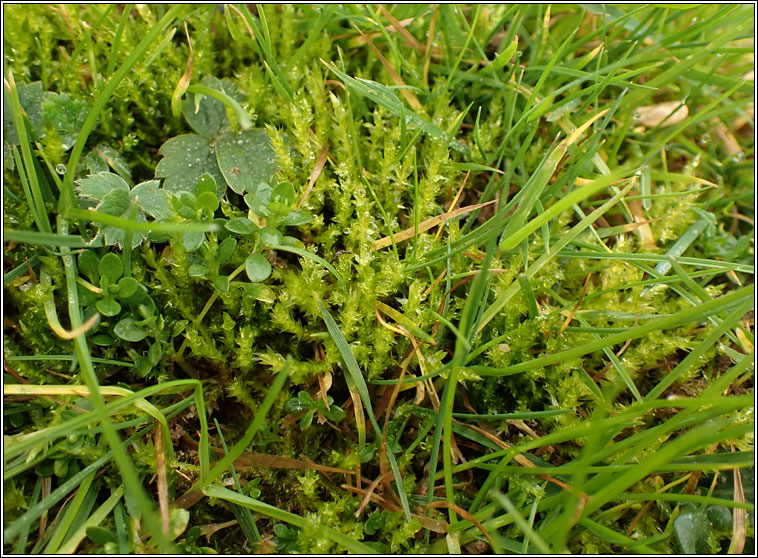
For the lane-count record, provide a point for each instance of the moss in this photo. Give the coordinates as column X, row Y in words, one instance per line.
column 245, row 335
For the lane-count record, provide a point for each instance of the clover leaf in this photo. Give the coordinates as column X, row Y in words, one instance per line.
column 246, row 159
column 257, row 268
column 114, row 197
column 185, row 159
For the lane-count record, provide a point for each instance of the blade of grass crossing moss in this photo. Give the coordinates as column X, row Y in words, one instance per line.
column 469, row 36
column 384, row 216
column 528, row 293
column 678, row 319
column 64, row 523
column 127, row 10
column 523, row 524
column 243, row 515
column 141, row 226
column 415, row 206
column 515, row 231
column 46, row 239
column 94, row 520
column 267, row 510
column 14, row 447
column 24, row 533
column 386, row 98
column 260, row 416
column 68, row 197
column 355, row 375
column 315, row 258
column 127, row 470
column 244, row 119
column 64, row 489
column 34, row 195
column 17, row 466
column 119, row 518
column 593, row 253
column 501, row 301
column 688, row 442
column 466, row 326
column 693, row 357
column 682, row 243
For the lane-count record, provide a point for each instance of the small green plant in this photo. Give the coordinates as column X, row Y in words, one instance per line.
column 449, row 278
column 323, row 410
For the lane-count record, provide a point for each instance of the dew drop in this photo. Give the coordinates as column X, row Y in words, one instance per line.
column 60, row 168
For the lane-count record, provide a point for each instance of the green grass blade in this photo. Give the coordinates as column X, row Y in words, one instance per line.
column 356, row 376
column 267, row 510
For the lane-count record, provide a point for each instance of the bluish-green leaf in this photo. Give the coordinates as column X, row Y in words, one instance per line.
column 127, row 286
column 206, row 115
column 221, row 283
column 197, row 270
column 152, row 199
column 206, row 183
column 284, row 192
column 108, row 307
column 271, row 237
column 295, row 218
column 192, row 240
column 129, row 330
column 226, row 249
column 110, row 266
column 240, row 225
column 65, row 116
column 185, row 159
column 245, row 159
column 97, row 186
column 257, row 267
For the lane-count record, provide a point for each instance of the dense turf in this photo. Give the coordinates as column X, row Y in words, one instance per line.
column 378, row 279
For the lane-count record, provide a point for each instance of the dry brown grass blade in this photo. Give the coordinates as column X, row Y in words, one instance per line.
column 267, row 461
column 647, row 238
column 407, row 94
column 520, row 458
column 320, row 162
column 434, row 525
column 68, row 335
column 369, row 493
column 46, row 484
column 739, row 516
column 254, row 459
column 211, row 529
column 357, row 40
column 427, row 224
column 413, row 41
column 429, row 43
column 464, row 514
column 658, row 114
column 578, row 302
column 184, row 81
column 324, row 383
column 731, row 146
column 161, row 479
column 454, row 202
column 695, row 478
